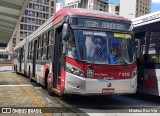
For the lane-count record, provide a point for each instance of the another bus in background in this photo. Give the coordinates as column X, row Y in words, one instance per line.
column 147, row 34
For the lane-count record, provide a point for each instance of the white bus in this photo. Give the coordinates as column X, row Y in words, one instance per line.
column 147, row 32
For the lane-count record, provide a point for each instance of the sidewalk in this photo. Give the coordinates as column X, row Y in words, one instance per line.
column 5, row 63
column 18, row 93
column 6, row 68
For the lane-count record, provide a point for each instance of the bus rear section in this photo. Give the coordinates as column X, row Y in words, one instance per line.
column 147, row 34
column 94, row 56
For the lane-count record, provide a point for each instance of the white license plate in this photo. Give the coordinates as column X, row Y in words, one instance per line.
column 108, row 90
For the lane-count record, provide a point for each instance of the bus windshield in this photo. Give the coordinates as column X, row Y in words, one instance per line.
column 103, row 47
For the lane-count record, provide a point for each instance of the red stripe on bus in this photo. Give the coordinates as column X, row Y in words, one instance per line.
column 104, row 71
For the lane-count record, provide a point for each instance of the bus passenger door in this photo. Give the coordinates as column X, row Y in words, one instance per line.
column 34, row 58
column 140, row 60
column 57, row 58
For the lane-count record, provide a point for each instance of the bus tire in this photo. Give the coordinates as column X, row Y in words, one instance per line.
column 48, row 86
column 30, row 77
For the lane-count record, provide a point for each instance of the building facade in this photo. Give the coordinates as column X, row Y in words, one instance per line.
column 114, row 8
column 36, row 13
column 101, row 5
column 134, row 8
column 5, row 55
column 59, row 6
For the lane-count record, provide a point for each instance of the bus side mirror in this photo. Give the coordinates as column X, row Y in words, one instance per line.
column 65, row 31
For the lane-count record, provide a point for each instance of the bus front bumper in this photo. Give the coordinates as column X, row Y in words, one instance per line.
column 85, row 86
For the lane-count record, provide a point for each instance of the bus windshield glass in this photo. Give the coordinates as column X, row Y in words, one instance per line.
column 104, row 47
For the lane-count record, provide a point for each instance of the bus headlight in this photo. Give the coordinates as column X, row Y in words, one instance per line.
column 74, row 70
column 134, row 73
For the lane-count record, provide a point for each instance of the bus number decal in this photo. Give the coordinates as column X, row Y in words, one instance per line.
column 124, row 74
column 88, row 33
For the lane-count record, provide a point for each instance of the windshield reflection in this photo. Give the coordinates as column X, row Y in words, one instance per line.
column 103, row 47
column 96, row 49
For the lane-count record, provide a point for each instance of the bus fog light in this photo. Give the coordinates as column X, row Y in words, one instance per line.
column 74, row 70
column 134, row 73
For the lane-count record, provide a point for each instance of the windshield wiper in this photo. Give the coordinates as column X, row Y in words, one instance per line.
column 96, row 56
column 124, row 62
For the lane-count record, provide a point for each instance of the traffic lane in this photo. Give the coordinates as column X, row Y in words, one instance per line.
column 115, row 105
column 100, row 103
column 96, row 101
column 132, row 100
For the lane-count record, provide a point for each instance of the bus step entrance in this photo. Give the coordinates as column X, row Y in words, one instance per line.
column 56, row 89
column 59, row 80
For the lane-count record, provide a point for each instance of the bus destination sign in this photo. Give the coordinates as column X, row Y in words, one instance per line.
column 100, row 24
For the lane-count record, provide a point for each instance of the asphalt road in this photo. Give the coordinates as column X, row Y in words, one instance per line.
column 100, row 105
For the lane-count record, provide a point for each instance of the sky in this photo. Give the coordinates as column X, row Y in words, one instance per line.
column 154, row 7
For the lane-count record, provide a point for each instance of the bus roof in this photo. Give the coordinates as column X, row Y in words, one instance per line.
column 86, row 12
column 20, row 44
column 146, row 19
column 74, row 11
column 70, row 11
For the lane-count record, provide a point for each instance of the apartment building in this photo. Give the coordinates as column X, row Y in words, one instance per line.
column 134, row 8
column 36, row 13
column 114, row 8
column 101, row 5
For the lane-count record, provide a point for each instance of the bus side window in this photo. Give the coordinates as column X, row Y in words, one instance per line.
column 31, row 54
column 49, row 46
column 154, row 48
column 142, row 50
column 18, row 54
column 37, row 49
column 71, row 50
column 28, row 51
column 45, row 39
column 42, row 39
column 15, row 54
column 43, row 49
column 50, row 53
column 22, row 53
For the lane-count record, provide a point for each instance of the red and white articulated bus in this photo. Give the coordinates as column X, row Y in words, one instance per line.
column 80, row 51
